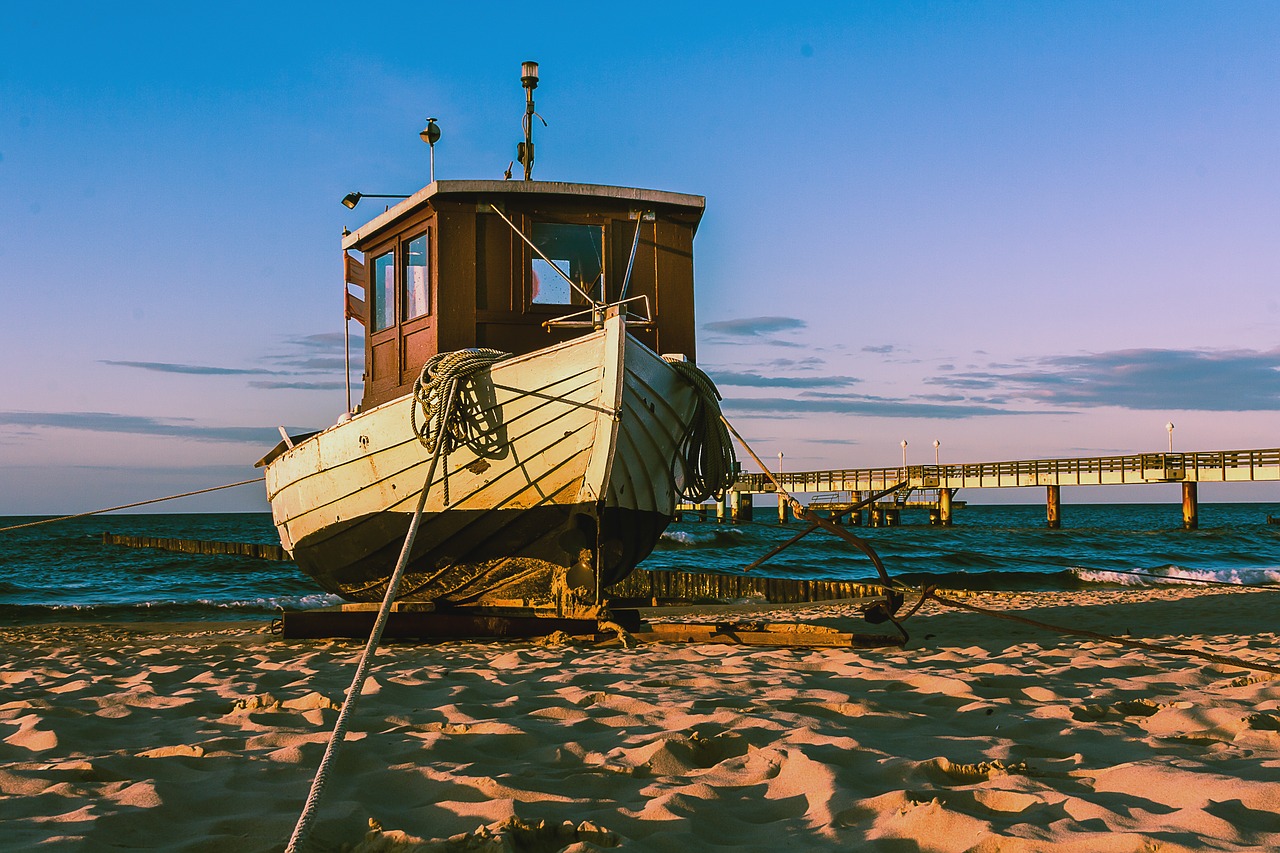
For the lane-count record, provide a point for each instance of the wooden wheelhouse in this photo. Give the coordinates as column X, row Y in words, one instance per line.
column 470, row 264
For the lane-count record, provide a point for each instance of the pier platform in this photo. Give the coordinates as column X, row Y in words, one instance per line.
column 1190, row 469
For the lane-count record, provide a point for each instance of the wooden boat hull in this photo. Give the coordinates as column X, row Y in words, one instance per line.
column 574, row 481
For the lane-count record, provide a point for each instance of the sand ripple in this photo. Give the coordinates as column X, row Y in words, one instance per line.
column 985, row 737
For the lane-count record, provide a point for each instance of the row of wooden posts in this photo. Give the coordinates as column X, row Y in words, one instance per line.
column 640, row 584
column 260, row 550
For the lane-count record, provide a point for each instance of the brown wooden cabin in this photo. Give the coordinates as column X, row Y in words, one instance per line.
column 442, row 271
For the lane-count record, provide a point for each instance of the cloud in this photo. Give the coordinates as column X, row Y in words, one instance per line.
column 810, row 363
column 308, row 355
column 191, row 369
column 1147, row 379
column 755, row 327
column 107, row 422
column 314, row 364
column 876, row 407
column 330, row 341
column 315, row 354
column 300, row 385
column 882, row 348
column 750, row 379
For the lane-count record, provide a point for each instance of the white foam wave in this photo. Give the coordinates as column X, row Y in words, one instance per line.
column 271, row 602
column 1166, row 575
column 693, row 538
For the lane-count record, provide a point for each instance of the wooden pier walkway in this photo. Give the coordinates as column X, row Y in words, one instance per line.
column 1189, row 469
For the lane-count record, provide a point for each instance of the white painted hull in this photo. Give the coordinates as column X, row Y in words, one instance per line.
column 577, row 479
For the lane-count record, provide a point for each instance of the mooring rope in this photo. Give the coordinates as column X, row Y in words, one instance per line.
column 130, row 506
column 706, row 451
column 449, row 421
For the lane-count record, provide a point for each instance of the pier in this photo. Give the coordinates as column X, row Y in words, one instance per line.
column 1189, row 469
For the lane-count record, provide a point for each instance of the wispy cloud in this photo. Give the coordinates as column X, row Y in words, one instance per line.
column 756, row 330
column 882, row 348
column 328, row 341
column 315, row 354
column 298, row 385
column 190, row 369
column 810, row 363
column 755, row 327
column 751, row 379
column 868, row 406
column 1161, row 379
column 107, row 422
column 305, row 356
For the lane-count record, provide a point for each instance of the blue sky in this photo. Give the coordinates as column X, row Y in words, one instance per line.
column 1023, row 229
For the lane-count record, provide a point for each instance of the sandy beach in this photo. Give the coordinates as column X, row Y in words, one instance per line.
column 980, row 735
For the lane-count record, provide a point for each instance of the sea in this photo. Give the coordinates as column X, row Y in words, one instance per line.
column 62, row 571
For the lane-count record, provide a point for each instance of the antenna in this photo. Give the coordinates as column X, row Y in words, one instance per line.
column 524, row 150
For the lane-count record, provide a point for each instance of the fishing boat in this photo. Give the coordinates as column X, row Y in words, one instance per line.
column 556, row 455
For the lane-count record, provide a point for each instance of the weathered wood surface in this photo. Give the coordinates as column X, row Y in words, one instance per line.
column 642, row 583
column 684, row 586
column 198, row 546
column 794, row 634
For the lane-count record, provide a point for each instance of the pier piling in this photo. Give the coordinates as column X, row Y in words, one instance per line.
column 944, row 507
column 1053, row 506
column 1190, row 506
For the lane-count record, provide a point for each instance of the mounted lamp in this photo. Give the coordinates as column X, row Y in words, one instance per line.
column 350, row 200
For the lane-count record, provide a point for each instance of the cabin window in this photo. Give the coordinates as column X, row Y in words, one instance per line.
column 416, row 298
column 578, row 251
column 384, row 275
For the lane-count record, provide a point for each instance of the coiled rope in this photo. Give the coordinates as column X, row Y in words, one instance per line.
column 706, row 451
column 436, row 388
column 449, row 421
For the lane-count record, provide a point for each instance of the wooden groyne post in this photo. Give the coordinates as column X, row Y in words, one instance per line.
column 658, row 586
column 259, row 550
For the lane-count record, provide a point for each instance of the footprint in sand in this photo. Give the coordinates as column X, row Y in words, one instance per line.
column 1120, row 710
column 1267, row 721
column 947, row 772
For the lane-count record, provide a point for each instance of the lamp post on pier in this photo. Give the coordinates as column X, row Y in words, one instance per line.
column 782, row 500
column 943, row 512
column 904, row 459
column 1169, row 427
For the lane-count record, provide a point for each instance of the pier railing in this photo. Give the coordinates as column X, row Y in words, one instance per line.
column 1213, row 466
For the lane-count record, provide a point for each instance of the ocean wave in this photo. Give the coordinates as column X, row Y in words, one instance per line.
column 162, row 610
column 1178, row 575
column 986, row 580
column 716, row 537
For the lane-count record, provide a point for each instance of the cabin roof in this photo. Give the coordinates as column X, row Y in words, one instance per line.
column 497, row 188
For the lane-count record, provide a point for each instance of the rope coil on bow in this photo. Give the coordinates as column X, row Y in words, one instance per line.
column 706, row 451
column 438, row 390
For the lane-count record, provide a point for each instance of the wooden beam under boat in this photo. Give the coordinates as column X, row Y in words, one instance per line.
column 424, row 622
